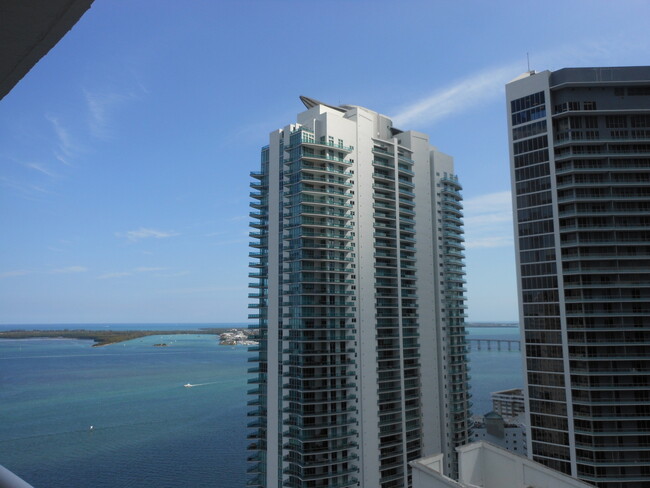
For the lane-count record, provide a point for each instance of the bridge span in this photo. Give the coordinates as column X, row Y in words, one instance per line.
column 492, row 343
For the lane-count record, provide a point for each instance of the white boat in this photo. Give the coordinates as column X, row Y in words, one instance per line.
column 188, row 385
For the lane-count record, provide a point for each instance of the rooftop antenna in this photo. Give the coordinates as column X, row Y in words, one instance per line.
column 528, row 61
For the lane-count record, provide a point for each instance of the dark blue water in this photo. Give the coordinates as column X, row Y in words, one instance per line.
column 148, row 430
column 493, row 370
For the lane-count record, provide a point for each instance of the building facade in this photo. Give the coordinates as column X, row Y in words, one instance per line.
column 509, row 403
column 360, row 301
column 580, row 166
column 508, row 433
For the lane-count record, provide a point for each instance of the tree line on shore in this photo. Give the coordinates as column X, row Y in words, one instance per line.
column 101, row 337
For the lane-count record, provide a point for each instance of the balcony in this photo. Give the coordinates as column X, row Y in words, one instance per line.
column 324, row 179
column 325, row 157
column 327, row 145
column 452, row 181
column 300, row 188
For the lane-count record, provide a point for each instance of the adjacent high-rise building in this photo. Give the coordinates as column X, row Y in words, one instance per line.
column 580, row 166
column 361, row 365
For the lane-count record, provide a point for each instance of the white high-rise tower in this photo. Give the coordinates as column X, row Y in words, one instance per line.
column 362, row 363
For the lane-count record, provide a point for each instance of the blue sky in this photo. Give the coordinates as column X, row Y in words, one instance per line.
column 125, row 153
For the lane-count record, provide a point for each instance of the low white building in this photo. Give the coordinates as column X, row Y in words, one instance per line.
column 509, row 403
column 483, row 465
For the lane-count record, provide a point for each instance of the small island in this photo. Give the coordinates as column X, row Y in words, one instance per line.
column 102, row 337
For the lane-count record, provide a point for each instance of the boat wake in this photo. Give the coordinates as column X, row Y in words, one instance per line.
column 192, row 385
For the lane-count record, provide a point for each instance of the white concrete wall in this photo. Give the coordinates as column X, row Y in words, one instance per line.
column 427, row 473
column 441, row 165
column 273, row 468
column 433, row 414
column 514, row 439
column 365, row 283
column 486, row 466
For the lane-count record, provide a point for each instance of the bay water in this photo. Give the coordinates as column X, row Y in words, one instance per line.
column 72, row 415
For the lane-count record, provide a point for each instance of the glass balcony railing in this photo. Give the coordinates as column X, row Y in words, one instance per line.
column 326, row 157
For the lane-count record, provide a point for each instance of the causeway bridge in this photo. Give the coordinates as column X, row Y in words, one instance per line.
column 498, row 344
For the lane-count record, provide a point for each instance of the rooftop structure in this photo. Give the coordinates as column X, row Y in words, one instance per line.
column 482, row 465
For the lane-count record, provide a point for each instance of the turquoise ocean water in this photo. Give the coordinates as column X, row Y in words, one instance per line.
column 148, row 430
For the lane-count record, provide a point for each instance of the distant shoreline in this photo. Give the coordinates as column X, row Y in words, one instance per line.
column 105, row 326
column 102, row 337
column 227, row 335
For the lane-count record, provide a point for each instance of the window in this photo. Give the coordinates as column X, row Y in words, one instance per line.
column 640, row 120
column 528, row 115
column 575, row 122
column 530, row 145
column 589, row 105
column 559, row 108
column 616, row 121
column 636, row 91
column 529, row 130
column 527, row 102
column 528, row 108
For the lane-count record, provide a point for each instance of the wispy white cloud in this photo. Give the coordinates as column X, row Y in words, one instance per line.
column 134, row 271
column 457, row 97
column 488, row 220
column 172, row 275
column 102, row 104
column 116, row 274
column 28, row 191
column 230, row 241
column 204, row 289
column 16, row 272
column 40, row 168
column 490, row 241
column 62, row 159
column 66, row 270
column 487, row 85
column 70, row 270
column 145, row 233
column 65, row 145
column 497, row 205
